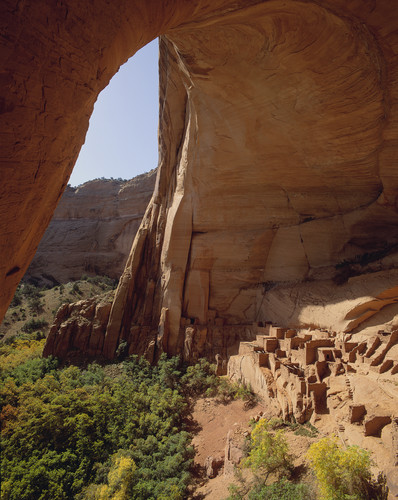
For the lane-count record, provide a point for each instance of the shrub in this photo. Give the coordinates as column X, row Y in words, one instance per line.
column 17, row 299
column 306, row 429
column 201, row 378
column 269, row 452
column 121, row 349
column 343, row 474
column 35, row 304
column 235, row 390
column 75, row 289
column 34, row 324
column 281, row 490
column 104, row 282
column 29, row 291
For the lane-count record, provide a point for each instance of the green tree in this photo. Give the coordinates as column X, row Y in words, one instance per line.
column 269, row 451
column 281, row 490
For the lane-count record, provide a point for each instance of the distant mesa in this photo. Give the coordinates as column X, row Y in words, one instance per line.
column 92, row 230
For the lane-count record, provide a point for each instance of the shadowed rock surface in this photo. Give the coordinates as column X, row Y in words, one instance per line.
column 92, row 230
column 277, row 178
column 276, row 196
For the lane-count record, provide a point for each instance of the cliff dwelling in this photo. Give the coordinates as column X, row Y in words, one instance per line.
column 271, row 233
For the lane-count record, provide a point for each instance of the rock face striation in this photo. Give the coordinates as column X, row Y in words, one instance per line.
column 277, row 181
column 276, row 196
column 80, row 327
column 275, row 171
column 92, row 230
column 55, row 59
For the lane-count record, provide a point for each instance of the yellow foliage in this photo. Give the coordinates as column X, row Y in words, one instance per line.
column 341, row 474
column 269, row 450
column 120, row 478
column 19, row 351
column 173, row 493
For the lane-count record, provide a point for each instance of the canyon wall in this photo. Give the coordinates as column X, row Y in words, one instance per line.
column 277, row 180
column 92, row 230
column 55, row 59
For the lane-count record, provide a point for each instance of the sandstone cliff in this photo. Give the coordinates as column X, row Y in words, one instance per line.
column 277, row 178
column 92, row 230
column 55, row 59
column 276, row 197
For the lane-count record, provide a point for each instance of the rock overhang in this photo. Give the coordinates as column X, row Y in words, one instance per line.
column 277, row 128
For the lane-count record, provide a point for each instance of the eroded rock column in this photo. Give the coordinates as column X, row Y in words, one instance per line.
column 275, row 120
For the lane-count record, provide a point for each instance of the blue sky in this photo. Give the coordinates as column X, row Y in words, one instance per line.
column 122, row 137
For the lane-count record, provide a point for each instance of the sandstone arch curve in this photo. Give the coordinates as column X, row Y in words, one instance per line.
column 55, row 59
column 277, row 151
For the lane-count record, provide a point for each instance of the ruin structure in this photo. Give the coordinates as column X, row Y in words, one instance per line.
column 276, row 197
column 278, row 144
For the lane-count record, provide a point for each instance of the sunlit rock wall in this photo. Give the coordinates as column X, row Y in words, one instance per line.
column 92, row 230
column 278, row 147
column 277, row 133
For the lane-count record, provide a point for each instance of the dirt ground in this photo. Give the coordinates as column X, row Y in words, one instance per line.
column 213, row 422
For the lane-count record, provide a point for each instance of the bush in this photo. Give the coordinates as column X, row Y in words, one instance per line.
column 30, row 291
column 104, row 282
column 35, row 304
column 34, row 324
column 17, row 299
column 269, row 452
column 281, row 490
column 344, row 474
column 121, row 350
column 234, row 390
column 306, row 429
column 201, row 378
